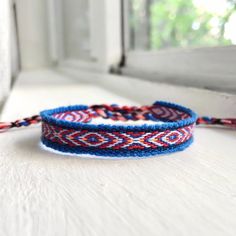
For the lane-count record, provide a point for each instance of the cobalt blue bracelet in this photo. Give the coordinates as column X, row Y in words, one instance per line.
column 72, row 129
column 69, row 130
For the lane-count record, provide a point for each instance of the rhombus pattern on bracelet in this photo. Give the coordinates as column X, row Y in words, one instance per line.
column 116, row 140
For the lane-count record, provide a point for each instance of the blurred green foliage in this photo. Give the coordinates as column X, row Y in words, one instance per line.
column 177, row 23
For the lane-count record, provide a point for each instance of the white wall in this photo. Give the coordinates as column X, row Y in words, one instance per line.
column 5, row 71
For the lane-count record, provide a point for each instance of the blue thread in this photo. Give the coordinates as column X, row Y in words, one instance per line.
column 24, row 123
column 206, row 118
column 47, row 117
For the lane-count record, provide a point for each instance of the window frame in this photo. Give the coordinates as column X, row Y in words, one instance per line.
column 208, row 67
column 105, row 43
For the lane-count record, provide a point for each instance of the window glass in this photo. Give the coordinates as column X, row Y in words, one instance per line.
column 156, row 24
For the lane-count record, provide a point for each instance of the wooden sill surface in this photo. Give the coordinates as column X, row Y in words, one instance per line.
column 187, row 193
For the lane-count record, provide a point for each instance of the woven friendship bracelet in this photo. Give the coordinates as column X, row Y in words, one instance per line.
column 72, row 130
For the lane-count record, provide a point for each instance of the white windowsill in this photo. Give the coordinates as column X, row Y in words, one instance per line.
column 187, row 193
column 209, row 67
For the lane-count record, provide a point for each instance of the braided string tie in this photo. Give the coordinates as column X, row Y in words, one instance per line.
column 4, row 126
column 226, row 122
column 123, row 113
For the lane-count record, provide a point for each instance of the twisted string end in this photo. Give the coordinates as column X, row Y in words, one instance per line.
column 5, row 126
column 226, row 122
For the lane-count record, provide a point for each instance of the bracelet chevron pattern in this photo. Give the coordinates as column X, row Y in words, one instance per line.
column 72, row 130
column 68, row 129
